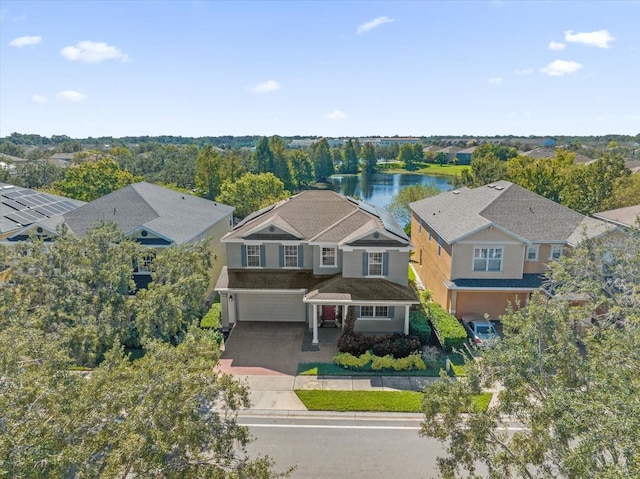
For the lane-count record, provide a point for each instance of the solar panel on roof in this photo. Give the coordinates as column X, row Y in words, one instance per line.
column 28, row 192
column 11, row 194
column 47, row 210
column 57, row 209
column 369, row 208
column 18, row 218
column 12, row 204
column 66, row 205
column 26, row 201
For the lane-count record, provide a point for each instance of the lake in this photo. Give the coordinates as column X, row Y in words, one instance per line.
column 379, row 188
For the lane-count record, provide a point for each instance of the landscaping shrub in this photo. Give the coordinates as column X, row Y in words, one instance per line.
column 370, row 362
column 419, row 326
column 448, row 329
column 355, row 343
column 396, row 345
column 211, row 320
column 349, row 361
column 382, row 362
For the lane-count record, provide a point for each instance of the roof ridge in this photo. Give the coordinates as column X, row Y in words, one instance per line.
column 344, row 218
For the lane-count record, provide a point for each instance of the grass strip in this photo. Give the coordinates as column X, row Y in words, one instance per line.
column 372, row 401
column 331, row 369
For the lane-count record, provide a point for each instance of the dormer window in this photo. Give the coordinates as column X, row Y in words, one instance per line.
column 375, row 264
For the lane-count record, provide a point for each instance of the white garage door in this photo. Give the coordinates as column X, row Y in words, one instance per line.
column 271, row 307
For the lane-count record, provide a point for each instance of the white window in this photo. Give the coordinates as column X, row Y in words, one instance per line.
column 532, row 253
column 487, row 259
column 374, row 311
column 144, row 264
column 419, row 226
column 328, row 256
column 556, row 252
column 375, row 264
column 291, row 256
column 253, row 255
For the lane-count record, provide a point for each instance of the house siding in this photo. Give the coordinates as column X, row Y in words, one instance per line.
column 494, row 303
column 397, row 264
column 317, row 258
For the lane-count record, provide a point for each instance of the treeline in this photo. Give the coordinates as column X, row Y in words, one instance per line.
column 587, row 188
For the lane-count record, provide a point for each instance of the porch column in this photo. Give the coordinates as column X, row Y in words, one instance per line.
column 315, row 324
column 344, row 314
column 406, row 320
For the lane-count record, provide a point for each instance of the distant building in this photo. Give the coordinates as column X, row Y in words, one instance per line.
column 463, row 157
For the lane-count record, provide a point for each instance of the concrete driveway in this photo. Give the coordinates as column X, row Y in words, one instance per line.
column 266, row 348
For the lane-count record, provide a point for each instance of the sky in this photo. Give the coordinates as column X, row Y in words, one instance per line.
column 347, row 68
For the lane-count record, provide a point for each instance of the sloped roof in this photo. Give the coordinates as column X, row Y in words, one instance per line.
column 321, row 216
column 627, row 216
column 177, row 216
column 458, row 213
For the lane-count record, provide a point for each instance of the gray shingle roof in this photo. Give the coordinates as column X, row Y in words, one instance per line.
column 177, row 216
column 321, row 216
column 628, row 216
column 458, row 213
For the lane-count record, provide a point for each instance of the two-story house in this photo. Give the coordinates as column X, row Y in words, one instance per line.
column 158, row 217
column 312, row 257
column 479, row 250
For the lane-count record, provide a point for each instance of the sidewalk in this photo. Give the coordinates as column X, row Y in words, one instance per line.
column 276, row 392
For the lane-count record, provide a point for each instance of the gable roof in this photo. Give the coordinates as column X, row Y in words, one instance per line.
column 321, row 216
column 525, row 214
column 177, row 216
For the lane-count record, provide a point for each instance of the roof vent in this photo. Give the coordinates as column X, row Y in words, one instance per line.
column 271, row 229
column 499, row 187
column 456, row 192
column 144, row 233
column 376, row 235
column 491, row 185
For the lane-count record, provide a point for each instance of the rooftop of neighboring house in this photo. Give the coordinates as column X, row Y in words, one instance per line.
column 457, row 214
column 469, row 150
column 632, row 164
column 543, row 153
column 62, row 156
column 628, row 216
column 449, row 149
column 176, row 216
column 21, row 207
column 12, row 159
column 322, row 216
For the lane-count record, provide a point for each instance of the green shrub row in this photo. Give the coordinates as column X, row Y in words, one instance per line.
column 448, row 329
column 211, row 320
column 419, row 326
column 370, row 362
column 391, row 165
column 396, row 345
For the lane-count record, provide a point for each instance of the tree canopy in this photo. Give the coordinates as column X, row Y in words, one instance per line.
column 92, row 179
column 252, row 192
column 399, row 205
column 570, row 394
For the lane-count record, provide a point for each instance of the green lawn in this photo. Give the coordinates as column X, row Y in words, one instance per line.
column 372, row 401
column 443, row 170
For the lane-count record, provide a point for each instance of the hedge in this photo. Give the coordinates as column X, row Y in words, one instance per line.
column 211, row 320
column 370, row 362
column 448, row 329
column 419, row 326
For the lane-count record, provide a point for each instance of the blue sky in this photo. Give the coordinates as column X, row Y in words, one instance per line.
column 200, row 68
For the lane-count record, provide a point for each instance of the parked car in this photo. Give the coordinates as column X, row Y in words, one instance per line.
column 482, row 333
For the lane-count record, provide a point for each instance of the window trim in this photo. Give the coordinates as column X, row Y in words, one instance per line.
column 369, row 263
column 322, row 256
column 258, row 255
column 289, row 256
column 375, row 312
column 556, row 248
column 537, row 252
column 487, row 259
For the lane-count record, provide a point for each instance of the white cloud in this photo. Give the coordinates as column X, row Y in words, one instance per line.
column 495, row 80
column 70, row 95
column 336, row 115
column 93, row 52
column 38, row 99
column 557, row 46
column 600, row 39
column 25, row 41
column 266, row 87
column 559, row 68
column 526, row 71
column 376, row 22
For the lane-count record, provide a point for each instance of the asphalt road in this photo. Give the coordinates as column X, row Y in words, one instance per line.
column 338, row 448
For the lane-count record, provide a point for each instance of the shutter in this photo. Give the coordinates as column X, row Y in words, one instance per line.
column 300, row 256
column 385, row 264
column 358, row 312
column 365, row 264
column 263, row 260
column 281, row 248
column 392, row 311
column 243, row 253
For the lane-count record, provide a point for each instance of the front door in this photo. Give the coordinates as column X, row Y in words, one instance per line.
column 328, row 313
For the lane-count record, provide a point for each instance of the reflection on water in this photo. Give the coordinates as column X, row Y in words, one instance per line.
column 379, row 188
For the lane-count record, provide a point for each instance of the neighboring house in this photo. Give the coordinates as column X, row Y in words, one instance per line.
column 313, row 257
column 23, row 211
column 463, row 157
column 628, row 217
column 546, row 153
column 158, row 217
column 481, row 249
column 449, row 152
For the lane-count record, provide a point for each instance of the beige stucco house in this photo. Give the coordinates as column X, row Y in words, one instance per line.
column 479, row 250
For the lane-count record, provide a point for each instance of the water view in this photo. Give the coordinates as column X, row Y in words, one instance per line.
column 378, row 189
